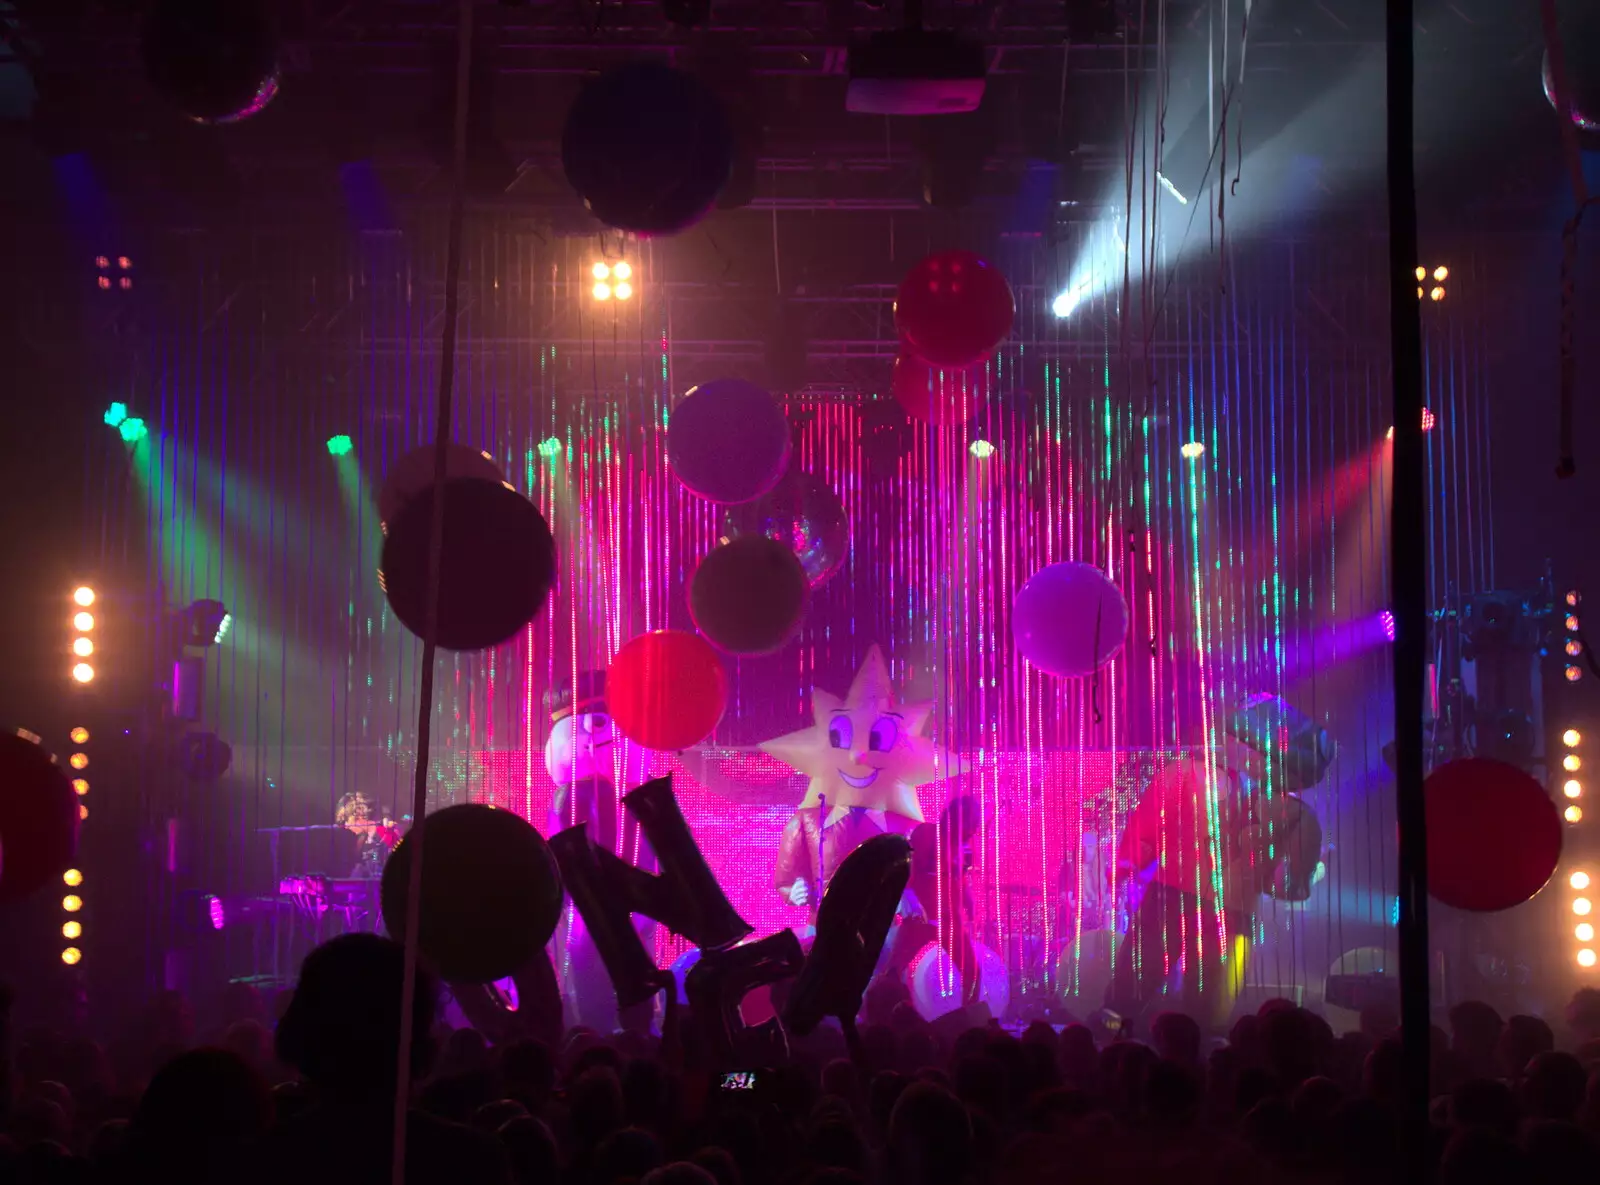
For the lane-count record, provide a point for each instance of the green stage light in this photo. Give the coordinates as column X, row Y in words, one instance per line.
column 115, row 414
column 340, row 445
column 133, row 429
column 550, row 448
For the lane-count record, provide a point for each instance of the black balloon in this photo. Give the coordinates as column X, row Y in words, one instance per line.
column 495, row 571
column 38, row 817
column 216, row 60
column 491, row 893
column 852, row 924
column 537, row 1014
column 805, row 515
column 647, row 147
column 720, row 980
column 749, row 596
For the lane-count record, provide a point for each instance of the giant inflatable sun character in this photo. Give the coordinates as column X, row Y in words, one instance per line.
column 865, row 755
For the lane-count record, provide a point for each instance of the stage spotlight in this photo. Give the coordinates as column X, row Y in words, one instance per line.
column 1386, row 618
column 83, row 622
column 72, row 878
column 601, row 291
column 80, row 785
column 82, row 647
column 84, row 596
column 1571, row 623
column 1436, row 294
column 1572, row 738
column 611, row 280
column 340, row 445
column 133, row 429
column 550, row 448
column 1572, row 598
column 1428, row 419
column 1572, row 788
column 1586, row 957
column 624, row 290
column 79, row 761
column 1192, row 450
column 71, row 930
column 981, row 449
column 206, row 622
column 115, row 414
column 79, row 735
column 72, row 956
column 72, row 903
column 1572, row 763
column 83, row 673
column 1574, row 648
column 1573, row 814
column 1573, row 674
column 1067, row 301
column 622, row 270
column 1579, row 880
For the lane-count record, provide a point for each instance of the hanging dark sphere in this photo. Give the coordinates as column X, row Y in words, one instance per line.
column 1578, row 23
column 749, row 596
column 38, row 818
column 491, row 892
column 805, row 515
column 647, row 147
column 215, row 60
column 496, row 566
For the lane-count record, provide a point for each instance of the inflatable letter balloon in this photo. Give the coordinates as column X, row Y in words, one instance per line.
column 685, row 897
column 721, row 979
column 852, row 924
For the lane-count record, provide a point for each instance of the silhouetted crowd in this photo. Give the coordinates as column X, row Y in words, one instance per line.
column 309, row 1100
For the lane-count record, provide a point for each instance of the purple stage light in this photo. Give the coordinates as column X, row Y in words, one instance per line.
column 218, row 915
column 1388, row 624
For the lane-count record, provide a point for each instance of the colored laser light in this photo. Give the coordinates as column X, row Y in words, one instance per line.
column 340, row 445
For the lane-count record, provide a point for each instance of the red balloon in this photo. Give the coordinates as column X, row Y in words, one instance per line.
column 38, row 817
column 954, row 308
column 935, row 395
column 667, row 689
column 1494, row 837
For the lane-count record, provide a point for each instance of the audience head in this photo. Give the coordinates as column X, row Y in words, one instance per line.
column 930, row 1138
column 531, row 1150
column 341, row 1027
column 1177, row 1038
column 1475, row 1030
column 1523, row 1039
column 199, row 1118
column 1554, row 1086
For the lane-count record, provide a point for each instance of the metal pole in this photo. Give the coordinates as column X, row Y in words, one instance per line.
column 1409, row 573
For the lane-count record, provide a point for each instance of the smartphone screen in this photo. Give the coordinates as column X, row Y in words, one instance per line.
column 739, row 1080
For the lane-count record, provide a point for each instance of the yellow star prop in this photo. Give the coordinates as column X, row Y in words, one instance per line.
column 866, row 750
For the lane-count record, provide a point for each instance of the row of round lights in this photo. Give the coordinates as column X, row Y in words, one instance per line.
column 1573, row 646
column 83, row 626
column 612, row 280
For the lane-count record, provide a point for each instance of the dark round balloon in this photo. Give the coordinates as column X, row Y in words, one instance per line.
column 728, row 441
column 749, row 596
column 803, row 514
column 216, row 60
column 953, row 308
column 1578, row 24
column 496, row 568
column 38, row 818
column 491, row 893
column 1494, row 836
column 412, row 474
column 647, row 147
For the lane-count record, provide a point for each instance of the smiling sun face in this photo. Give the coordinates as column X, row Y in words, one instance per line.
column 865, row 750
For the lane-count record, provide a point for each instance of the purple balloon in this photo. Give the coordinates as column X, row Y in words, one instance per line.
column 1069, row 619
column 728, row 441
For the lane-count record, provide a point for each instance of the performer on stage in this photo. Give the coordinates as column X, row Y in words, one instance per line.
column 937, row 903
column 865, row 755
column 1212, row 842
column 378, row 834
